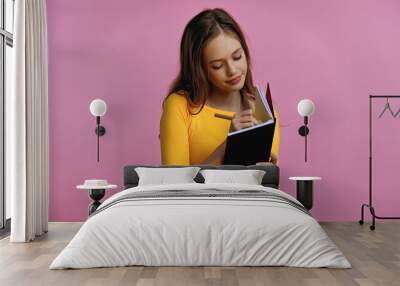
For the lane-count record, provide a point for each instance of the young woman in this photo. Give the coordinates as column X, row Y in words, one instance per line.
column 215, row 77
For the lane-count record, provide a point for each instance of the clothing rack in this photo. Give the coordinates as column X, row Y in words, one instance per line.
column 369, row 205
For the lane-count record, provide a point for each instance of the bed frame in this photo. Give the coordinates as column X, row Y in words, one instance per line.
column 270, row 179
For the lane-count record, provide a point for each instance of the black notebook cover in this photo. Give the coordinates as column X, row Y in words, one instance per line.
column 253, row 145
column 250, row 147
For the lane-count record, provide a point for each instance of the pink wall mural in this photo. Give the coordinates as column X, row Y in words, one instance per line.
column 126, row 53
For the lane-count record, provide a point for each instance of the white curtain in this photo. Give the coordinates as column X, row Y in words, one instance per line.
column 27, row 123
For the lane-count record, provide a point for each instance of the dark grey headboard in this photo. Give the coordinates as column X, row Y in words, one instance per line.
column 271, row 177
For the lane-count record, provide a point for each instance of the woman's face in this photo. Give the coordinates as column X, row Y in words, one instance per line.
column 225, row 60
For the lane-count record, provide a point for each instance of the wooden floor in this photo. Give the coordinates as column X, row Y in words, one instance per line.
column 374, row 255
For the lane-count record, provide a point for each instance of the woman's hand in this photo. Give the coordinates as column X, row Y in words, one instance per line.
column 273, row 159
column 243, row 119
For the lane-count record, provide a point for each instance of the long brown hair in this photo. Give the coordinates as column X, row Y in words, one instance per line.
column 192, row 79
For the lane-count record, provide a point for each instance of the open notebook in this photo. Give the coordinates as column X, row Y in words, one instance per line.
column 253, row 144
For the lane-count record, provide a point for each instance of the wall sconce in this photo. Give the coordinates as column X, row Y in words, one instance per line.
column 98, row 108
column 305, row 108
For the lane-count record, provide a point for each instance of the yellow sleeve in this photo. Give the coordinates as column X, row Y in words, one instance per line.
column 275, row 142
column 174, row 130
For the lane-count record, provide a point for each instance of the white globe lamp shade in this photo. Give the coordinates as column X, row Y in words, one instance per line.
column 98, row 107
column 305, row 107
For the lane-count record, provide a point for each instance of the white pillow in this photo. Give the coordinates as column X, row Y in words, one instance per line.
column 249, row 177
column 162, row 176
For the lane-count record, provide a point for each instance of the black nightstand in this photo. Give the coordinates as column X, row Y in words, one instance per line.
column 97, row 190
column 304, row 190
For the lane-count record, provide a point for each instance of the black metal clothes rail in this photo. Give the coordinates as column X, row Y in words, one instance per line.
column 369, row 205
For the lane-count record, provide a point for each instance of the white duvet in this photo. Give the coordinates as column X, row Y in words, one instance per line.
column 200, row 231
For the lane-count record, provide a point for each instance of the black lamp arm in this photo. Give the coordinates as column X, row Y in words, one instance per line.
column 100, row 131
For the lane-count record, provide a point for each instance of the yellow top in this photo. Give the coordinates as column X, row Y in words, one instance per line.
column 188, row 139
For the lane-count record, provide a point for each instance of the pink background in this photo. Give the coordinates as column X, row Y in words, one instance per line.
column 335, row 53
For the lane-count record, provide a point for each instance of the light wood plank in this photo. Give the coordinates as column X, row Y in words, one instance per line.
column 375, row 257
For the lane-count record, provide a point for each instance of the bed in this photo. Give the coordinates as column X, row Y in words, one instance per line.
column 201, row 224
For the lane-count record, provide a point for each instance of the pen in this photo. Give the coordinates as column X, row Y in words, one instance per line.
column 223, row 116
